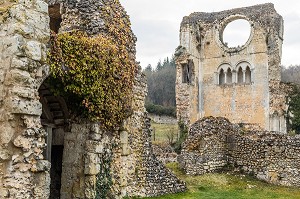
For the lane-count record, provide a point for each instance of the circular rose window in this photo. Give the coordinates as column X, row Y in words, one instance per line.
column 236, row 33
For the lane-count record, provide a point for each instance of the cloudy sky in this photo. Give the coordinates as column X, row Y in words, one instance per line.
column 156, row 24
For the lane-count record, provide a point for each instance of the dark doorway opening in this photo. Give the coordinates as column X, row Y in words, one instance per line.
column 56, row 170
column 54, row 118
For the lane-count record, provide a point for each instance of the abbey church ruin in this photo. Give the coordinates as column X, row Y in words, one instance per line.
column 232, row 98
column 47, row 151
column 240, row 83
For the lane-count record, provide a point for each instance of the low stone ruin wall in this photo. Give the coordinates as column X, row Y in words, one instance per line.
column 216, row 144
column 163, row 119
column 164, row 153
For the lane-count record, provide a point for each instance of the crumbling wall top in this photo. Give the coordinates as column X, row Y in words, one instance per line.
column 264, row 14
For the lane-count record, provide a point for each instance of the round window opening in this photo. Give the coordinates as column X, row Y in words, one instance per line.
column 236, row 33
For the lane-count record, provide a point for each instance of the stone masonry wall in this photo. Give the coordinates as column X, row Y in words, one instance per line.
column 260, row 100
column 24, row 171
column 215, row 144
column 141, row 172
column 24, row 32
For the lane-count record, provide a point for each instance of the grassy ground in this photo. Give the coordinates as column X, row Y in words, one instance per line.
column 221, row 186
column 163, row 131
column 229, row 186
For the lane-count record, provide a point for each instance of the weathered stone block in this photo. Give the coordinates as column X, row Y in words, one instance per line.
column 7, row 133
column 92, row 158
column 24, row 92
column 20, row 63
column 124, row 137
column 4, row 154
column 19, row 77
column 125, row 149
column 41, row 165
column 13, row 45
column 23, row 106
column 4, row 193
column 33, row 50
column 41, row 6
column 90, row 184
column 95, row 129
column 95, row 136
column 92, row 169
column 22, row 142
column 22, row 29
column 18, row 12
column 94, row 146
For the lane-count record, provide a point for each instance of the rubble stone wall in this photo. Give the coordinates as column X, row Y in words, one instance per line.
column 130, row 146
column 24, row 32
column 163, row 119
column 142, row 173
column 215, row 144
column 24, row 170
column 201, row 43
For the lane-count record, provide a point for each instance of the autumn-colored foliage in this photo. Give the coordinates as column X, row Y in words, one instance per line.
column 94, row 75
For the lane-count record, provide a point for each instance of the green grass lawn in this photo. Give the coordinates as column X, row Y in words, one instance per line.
column 221, row 186
column 162, row 131
column 229, row 186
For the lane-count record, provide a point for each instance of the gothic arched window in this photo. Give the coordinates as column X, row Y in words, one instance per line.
column 248, row 75
column 229, row 76
column 240, row 76
column 222, row 77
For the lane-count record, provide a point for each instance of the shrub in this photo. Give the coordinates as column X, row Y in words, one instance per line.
column 94, row 75
column 183, row 133
column 160, row 110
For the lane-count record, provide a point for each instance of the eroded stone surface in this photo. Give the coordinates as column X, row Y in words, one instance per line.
column 24, row 156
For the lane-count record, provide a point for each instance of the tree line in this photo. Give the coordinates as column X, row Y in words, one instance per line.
column 161, row 87
column 291, row 74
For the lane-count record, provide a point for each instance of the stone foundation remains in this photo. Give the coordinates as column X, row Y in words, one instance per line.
column 215, row 144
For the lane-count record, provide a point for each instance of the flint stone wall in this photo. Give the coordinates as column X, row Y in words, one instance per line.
column 163, row 119
column 215, row 144
column 24, row 170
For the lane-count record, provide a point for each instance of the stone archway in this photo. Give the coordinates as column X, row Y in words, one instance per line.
column 54, row 120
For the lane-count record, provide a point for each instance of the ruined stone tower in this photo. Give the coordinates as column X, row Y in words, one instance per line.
column 43, row 151
column 240, row 83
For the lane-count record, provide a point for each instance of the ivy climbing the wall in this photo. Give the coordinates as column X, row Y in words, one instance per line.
column 104, row 178
column 94, row 75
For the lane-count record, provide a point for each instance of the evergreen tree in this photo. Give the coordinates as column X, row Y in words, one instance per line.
column 161, row 85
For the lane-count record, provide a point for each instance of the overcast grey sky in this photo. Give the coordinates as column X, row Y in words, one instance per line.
column 156, row 24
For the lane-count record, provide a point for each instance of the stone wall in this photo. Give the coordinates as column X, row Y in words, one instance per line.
column 130, row 146
column 142, row 173
column 206, row 55
column 215, row 144
column 163, row 119
column 24, row 32
column 165, row 153
column 126, row 154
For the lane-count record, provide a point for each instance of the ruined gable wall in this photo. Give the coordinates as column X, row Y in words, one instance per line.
column 216, row 144
column 132, row 157
column 200, row 41
column 24, row 172
column 24, row 32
